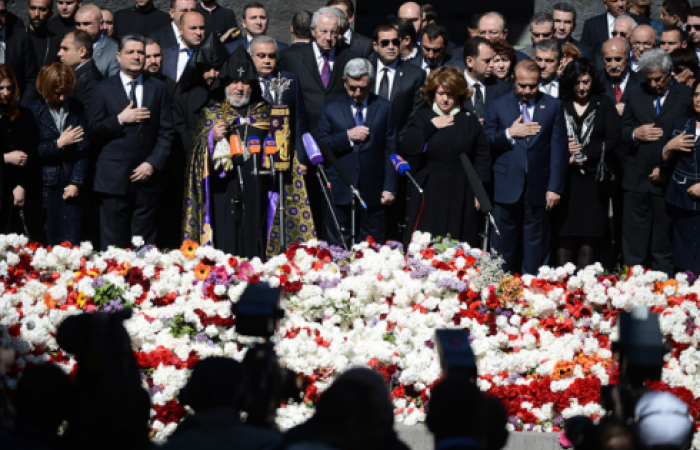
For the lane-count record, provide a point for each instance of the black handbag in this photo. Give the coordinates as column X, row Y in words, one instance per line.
column 605, row 175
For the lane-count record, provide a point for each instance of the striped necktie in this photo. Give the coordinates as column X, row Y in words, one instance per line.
column 325, row 72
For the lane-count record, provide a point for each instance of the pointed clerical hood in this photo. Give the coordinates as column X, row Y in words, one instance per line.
column 212, row 52
column 239, row 66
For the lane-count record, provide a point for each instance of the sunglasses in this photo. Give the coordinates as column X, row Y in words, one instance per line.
column 693, row 27
column 616, row 59
column 387, row 42
column 620, row 33
column 83, row 24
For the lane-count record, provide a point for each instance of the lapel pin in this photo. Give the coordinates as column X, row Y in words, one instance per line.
column 543, row 106
column 400, row 74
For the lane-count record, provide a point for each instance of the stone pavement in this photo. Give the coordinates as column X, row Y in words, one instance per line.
column 418, row 438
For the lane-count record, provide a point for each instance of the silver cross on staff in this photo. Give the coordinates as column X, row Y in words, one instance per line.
column 279, row 85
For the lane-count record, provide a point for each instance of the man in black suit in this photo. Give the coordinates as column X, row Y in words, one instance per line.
column 65, row 20
column 564, row 15
column 192, row 31
column 44, row 41
column 598, row 29
column 142, row 19
column 254, row 22
column 76, row 53
column 478, row 61
column 363, row 43
column 359, row 129
column 647, row 123
column 169, row 35
column 616, row 74
column 433, row 48
column 399, row 82
column 131, row 122
column 219, row 19
column 301, row 28
column 492, row 25
column 541, row 28
column 19, row 55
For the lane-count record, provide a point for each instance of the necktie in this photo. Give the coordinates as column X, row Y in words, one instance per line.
column 658, row 105
column 525, row 113
column 359, row 120
column 132, row 93
column 384, row 84
column 325, row 72
column 267, row 93
column 618, row 93
column 479, row 106
column 2, row 53
column 189, row 55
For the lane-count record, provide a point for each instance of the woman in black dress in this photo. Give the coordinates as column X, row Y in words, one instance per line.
column 62, row 153
column 591, row 121
column 435, row 138
column 18, row 144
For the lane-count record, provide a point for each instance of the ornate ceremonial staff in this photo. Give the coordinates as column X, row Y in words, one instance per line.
column 278, row 86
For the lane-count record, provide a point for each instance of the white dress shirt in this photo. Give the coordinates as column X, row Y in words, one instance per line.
column 264, row 81
column 471, row 82
column 551, row 88
column 531, row 113
column 182, row 60
column 126, row 83
column 391, row 73
column 623, row 81
column 319, row 57
column 347, row 36
column 611, row 25
column 177, row 33
column 634, row 65
column 426, row 67
column 2, row 45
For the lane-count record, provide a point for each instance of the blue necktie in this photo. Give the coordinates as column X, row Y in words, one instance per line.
column 359, row 120
column 658, row 105
column 189, row 52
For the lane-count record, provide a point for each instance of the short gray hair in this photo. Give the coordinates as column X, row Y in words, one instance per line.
column 625, row 17
column 129, row 38
column 327, row 11
column 261, row 39
column 565, row 7
column 540, row 18
column 655, row 59
column 358, row 68
column 549, row 45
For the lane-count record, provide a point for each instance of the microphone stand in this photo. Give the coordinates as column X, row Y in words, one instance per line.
column 324, row 188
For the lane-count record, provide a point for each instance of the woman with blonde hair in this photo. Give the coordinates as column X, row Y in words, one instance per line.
column 62, row 153
column 436, row 137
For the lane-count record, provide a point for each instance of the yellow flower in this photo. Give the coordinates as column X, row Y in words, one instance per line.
column 81, row 299
column 188, row 248
column 202, row 271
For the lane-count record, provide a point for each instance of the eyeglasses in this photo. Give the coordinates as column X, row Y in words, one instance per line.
column 387, row 42
column 620, row 33
column 541, row 35
column 692, row 27
column 83, row 24
column 616, row 59
column 642, row 44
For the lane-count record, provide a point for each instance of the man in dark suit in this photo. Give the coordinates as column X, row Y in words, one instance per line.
column 541, row 28
column 76, row 53
column 616, row 74
column 598, row 29
column 301, row 28
column 564, row 16
column 399, row 82
column 352, row 38
column 65, row 20
column 492, row 25
column 254, row 22
column 192, row 30
column 647, row 123
column 360, row 130
column 19, row 55
column 484, row 86
column 169, row 35
column 142, row 19
column 131, row 121
column 219, row 19
column 45, row 41
column 433, row 48
column 529, row 145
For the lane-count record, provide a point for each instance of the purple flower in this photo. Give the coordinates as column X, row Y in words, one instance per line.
column 430, row 344
column 156, row 389
column 691, row 276
column 98, row 282
column 395, row 245
column 513, row 421
column 373, row 323
column 507, row 313
column 200, row 337
column 483, row 310
column 559, row 420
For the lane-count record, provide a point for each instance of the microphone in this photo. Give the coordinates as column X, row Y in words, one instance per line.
column 330, row 157
column 312, row 150
column 403, row 168
column 477, row 186
column 254, row 146
column 270, row 146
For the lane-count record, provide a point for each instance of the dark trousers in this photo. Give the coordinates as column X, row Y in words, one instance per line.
column 368, row 222
column 522, row 221
column 125, row 216
column 62, row 218
column 646, row 233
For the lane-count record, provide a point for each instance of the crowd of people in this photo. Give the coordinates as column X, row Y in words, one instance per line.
column 193, row 125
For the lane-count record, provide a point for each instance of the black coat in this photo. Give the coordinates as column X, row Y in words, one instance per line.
column 495, row 87
column 135, row 20
column 60, row 27
column 45, row 47
column 642, row 157
column 449, row 198
column 125, row 147
column 19, row 55
column 165, row 36
column 301, row 60
column 218, row 21
column 685, row 170
column 363, row 43
column 86, row 77
column 595, row 29
column 405, row 93
column 635, row 79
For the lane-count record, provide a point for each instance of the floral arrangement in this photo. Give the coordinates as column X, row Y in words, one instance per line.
column 542, row 342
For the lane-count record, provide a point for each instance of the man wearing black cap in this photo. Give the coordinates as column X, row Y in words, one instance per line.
column 224, row 198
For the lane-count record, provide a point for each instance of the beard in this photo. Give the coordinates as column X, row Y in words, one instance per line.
column 238, row 103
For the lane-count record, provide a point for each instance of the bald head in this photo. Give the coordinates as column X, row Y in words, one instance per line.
column 616, row 57
column 492, row 26
column 643, row 39
column 411, row 12
column 93, row 10
column 88, row 19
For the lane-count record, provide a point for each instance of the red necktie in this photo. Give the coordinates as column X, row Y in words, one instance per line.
column 618, row 93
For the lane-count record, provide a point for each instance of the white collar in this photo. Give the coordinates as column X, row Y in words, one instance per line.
column 216, row 5
column 391, row 67
column 439, row 112
column 348, row 35
column 317, row 52
column 249, row 37
column 126, row 80
column 470, row 81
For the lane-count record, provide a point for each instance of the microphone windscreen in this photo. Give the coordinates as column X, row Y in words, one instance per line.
column 476, row 184
column 254, row 146
column 312, row 150
column 270, row 146
column 235, row 144
column 400, row 164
